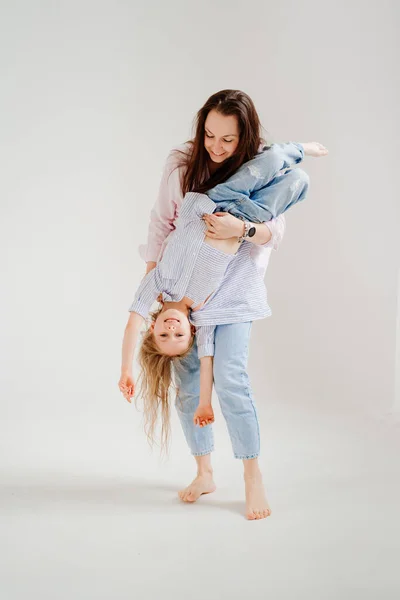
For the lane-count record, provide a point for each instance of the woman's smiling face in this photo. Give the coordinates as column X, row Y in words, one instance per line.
column 221, row 136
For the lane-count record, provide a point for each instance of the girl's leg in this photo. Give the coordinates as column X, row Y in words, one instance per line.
column 238, row 407
column 200, row 439
column 266, row 201
column 282, row 192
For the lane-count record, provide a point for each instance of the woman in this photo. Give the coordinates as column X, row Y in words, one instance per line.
column 227, row 135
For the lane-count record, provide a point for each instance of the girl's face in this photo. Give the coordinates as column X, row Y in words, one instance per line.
column 221, row 136
column 172, row 332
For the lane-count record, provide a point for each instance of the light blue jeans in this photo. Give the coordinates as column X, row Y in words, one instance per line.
column 265, row 186
column 233, row 390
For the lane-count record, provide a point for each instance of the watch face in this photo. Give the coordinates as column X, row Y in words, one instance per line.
column 252, row 231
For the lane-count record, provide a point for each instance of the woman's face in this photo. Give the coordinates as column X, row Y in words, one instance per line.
column 172, row 332
column 221, row 136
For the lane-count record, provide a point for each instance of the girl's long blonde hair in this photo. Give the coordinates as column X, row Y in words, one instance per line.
column 155, row 385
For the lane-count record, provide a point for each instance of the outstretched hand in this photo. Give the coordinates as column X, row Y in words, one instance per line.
column 314, row 149
column 127, row 386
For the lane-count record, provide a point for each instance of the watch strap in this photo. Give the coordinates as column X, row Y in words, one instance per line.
column 245, row 234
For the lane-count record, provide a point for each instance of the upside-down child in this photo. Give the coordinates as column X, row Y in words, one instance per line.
column 192, row 281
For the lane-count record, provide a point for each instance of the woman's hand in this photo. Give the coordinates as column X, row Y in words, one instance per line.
column 127, row 386
column 150, row 266
column 314, row 149
column 222, row 226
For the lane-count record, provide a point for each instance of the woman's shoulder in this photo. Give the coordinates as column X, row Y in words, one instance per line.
column 178, row 154
column 177, row 158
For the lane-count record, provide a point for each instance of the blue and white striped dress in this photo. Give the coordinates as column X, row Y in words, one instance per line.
column 189, row 267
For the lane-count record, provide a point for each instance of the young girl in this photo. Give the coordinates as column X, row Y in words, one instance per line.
column 193, row 267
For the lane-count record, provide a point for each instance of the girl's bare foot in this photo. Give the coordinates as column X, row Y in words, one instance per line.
column 203, row 484
column 204, row 415
column 257, row 506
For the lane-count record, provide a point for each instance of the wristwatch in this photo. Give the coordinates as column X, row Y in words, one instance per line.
column 252, row 230
column 249, row 231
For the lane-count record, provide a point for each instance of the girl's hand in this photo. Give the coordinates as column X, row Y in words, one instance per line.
column 127, row 386
column 314, row 149
column 222, row 226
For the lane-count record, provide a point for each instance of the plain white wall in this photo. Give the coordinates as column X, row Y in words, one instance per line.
column 94, row 95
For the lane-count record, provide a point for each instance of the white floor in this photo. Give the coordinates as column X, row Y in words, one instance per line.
column 87, row 512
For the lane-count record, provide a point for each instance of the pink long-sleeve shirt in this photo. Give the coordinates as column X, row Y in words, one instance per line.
column 166, row 210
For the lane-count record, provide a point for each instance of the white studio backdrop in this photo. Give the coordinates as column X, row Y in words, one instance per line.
column 93, row 97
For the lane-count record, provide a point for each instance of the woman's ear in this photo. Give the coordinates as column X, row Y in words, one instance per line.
column 152, row 325
column 193, row 329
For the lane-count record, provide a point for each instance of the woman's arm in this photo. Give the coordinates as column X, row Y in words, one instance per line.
column 277, row 228
column 222, row 226
column 262, row 235
column 164, row 211
column 150, row 266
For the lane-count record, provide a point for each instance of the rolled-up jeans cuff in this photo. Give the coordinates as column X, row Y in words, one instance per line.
column 249, row 457
column 203, row 453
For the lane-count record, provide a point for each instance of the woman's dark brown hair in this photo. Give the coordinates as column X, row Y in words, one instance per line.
column 226, row 102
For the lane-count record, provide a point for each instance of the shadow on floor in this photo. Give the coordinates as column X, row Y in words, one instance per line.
column 69, row 491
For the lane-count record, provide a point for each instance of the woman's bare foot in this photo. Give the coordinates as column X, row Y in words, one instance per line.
column 203, row 484
column 204, row 415
column 257, row 506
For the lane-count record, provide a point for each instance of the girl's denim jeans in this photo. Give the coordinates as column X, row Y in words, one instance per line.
column 265, row 186
column 233, row 390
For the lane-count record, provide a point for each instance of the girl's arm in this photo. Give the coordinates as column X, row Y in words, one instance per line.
column 205, row 340
column 145, row 295
column 206, row 380
column 132, row 329
column 129, row 342
column 205, row 348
